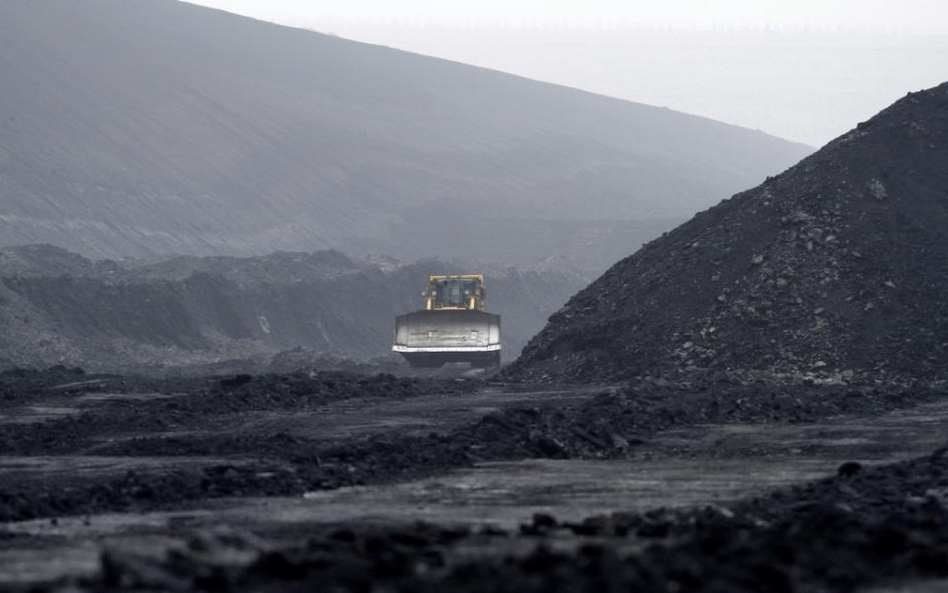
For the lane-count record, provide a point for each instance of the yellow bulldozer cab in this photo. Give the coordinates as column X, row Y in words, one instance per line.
column 457, row 292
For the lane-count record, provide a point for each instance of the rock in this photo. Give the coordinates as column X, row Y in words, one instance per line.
column 849, row 469
column 877, row 190
column 544, row 520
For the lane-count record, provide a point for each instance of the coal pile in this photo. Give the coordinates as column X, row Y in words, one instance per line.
column 838, row 267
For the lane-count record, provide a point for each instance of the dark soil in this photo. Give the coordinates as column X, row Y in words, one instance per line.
column 607, row 426
column 864, row 527
column 838, row 266
column 18, row 385
column 194, row 403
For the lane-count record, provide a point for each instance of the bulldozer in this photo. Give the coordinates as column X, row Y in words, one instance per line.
column 453, row 326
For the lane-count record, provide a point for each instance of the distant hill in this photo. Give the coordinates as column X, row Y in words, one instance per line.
column 836, row 267
column 133, row 128
column 59, row 307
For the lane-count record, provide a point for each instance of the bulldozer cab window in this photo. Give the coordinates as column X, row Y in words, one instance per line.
column 454, row 293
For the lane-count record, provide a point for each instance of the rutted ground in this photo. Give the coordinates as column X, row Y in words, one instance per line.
column 239, row 418
column 352, row 452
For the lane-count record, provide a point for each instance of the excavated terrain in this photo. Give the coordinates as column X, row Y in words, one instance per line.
column 755, row 402
column 837, row 267
column 216, row 313
column 213, row 419
column 146, row 480
column 860, row 528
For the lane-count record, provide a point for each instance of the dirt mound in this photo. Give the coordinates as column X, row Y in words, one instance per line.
column 837, row 266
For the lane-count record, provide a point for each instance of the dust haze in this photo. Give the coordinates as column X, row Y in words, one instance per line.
column 433, row 296
column 806, row 71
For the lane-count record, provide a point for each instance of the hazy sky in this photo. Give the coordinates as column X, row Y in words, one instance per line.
column 905, row 15
column 807, row 70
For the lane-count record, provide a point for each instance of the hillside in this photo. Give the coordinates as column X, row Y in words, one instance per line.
column 59, row 307
column 838, row 266
column 155, row 127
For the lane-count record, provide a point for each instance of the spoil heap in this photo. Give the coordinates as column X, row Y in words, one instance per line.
column 837, row 266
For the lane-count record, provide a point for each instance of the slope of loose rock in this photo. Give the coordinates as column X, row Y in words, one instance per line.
column 837, row 266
